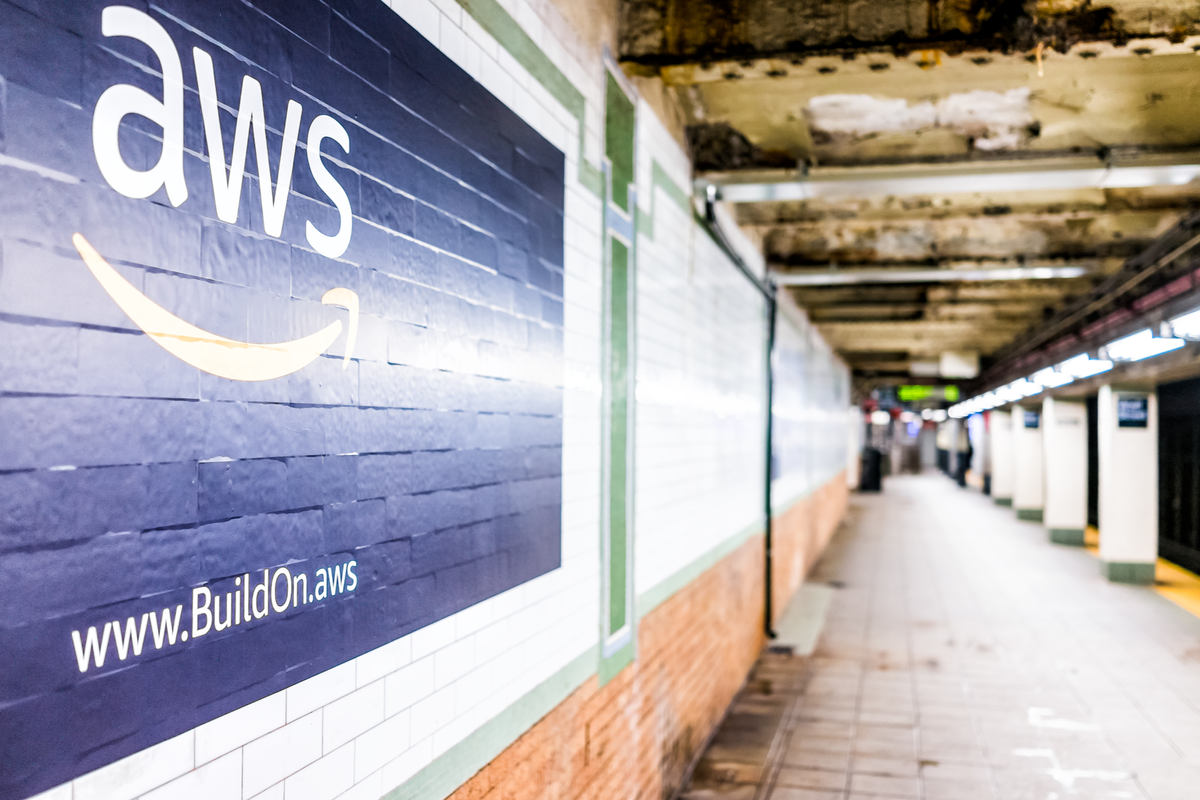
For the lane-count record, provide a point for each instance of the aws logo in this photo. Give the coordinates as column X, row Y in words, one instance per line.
column 227, row 358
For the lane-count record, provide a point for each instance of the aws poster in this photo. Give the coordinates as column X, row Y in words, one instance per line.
column 280, row 358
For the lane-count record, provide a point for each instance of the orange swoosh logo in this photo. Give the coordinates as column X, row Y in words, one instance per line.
column 225, row 358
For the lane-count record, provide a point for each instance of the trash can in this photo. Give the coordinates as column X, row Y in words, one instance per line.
column 872, row 466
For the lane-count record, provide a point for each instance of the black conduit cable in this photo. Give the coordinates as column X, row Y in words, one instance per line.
column 767, row 289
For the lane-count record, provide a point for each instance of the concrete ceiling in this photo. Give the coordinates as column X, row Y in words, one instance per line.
column 784, row 91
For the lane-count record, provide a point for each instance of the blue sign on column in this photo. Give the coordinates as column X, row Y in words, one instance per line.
column 281, row 307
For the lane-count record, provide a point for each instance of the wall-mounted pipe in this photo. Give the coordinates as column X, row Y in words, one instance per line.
column 767, row 289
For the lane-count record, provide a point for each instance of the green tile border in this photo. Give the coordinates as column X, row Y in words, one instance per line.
column 660, row 180
column 492, row 17
column 1134, row 572
column 449, row 771
column 611, row 667
column 438, row 779
column 779, row 508
column 619, row 344
column 1069, row 536
column 1005, row 502
column 662, row 591
column 1029, row 514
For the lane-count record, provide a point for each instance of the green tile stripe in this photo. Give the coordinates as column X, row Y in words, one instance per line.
column 1129, row 572
column 456, row 766
column 492, row 17
column 661, row 592
column 610, row 667
column 1070, row 536
column 1029, row 514
column 618, row 420
column 660, row 180
column 781, row 507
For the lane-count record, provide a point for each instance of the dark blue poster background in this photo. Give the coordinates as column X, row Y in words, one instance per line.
column 145, row 501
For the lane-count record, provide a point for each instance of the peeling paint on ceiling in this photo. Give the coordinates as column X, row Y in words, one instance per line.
column 991, row 120
column 775, row 86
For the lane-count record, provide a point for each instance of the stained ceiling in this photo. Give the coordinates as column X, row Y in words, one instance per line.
column 787, row 93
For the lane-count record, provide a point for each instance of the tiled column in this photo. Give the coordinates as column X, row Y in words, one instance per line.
column 1028, row 484
column 1128, row 433
column 1064, row 440
column 854, row 446
column 1000, row 433
column 980, row 446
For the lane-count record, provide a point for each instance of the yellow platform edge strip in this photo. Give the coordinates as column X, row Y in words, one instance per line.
column 1172, row 581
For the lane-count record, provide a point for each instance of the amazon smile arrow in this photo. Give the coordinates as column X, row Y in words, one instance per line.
column 216, row 355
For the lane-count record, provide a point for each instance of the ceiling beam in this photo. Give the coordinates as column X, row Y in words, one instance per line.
column 660, row 33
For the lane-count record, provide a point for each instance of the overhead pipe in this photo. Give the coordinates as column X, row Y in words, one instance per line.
column 850, row 277
column 1110, row 171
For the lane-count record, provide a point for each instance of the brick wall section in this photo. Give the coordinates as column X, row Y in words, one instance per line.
column 636, row 736
column 800, row 535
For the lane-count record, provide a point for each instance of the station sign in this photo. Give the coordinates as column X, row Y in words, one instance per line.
column 1133, row 410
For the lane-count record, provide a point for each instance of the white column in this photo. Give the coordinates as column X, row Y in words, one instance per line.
column 1128, row 432
column 1000, row 432
column 1028, row 485
column 854, row 445
column 980, row 458
column 952, row 445
column 1064, row 441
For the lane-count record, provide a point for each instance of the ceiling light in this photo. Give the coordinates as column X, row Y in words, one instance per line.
column 1026, row 387
column 1009, row 394
column 1142, row 344
column 1187, row 326
column 1083, row 366
column 880, row 418
column 1049, row 377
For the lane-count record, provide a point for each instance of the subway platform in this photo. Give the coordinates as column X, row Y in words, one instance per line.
column 963, row 656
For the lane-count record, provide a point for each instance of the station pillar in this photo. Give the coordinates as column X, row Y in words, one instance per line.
column 1001, row 450
column 1064, row 442
column 1028, row 481
column 1127, row 423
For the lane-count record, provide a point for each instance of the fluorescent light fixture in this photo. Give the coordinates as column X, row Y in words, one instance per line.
column 1142, row 344
column 939, row 415
column 1009, row 394
column 1187, row 326
column 843, row 277
column 927, row 414
column 880, row 418
column 1026, row 387
column 1021, row 176
column 1082, row 366
column 1050, row 378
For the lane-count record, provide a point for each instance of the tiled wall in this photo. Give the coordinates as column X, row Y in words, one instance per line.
column 700, row 381
column 367, row 727
column 811, row 398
